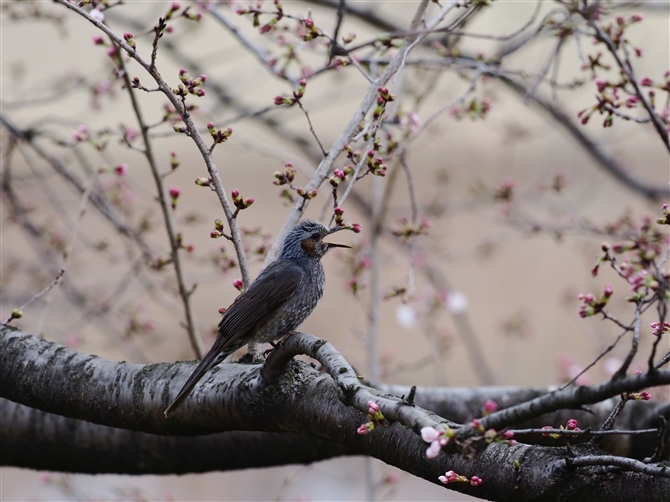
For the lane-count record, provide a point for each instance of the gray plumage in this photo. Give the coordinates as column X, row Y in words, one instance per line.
column 283, row 295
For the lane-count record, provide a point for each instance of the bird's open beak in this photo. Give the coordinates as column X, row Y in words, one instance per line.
column 332, row 231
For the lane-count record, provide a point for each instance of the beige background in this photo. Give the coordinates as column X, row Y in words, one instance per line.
column 509, row 277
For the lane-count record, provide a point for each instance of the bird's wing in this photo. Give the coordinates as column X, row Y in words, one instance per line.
column 273, row 287
column 251, row 309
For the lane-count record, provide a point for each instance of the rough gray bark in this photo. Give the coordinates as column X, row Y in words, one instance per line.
column 297, row 399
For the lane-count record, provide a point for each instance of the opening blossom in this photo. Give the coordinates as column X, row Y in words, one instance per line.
column 452, row 477
column 436, row 438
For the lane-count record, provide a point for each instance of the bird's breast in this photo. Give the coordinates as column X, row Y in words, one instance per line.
column 297, row 308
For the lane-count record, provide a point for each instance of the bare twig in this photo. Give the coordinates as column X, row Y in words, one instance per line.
column 36, row 296
column 628, row 464
column 628, row 70
column 351, row 128
column 192, row 132
column 191, row 328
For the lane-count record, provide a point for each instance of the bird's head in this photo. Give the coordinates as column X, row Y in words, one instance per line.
column 306, row 239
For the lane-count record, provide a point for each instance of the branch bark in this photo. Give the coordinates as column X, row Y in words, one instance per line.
column 292, row 398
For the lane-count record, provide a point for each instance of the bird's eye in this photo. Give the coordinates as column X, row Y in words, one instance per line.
column 316, row 236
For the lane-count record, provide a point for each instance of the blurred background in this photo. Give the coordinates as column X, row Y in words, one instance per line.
column 512, row 207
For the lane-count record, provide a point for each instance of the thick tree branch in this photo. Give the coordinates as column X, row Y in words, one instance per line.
column 38, row 440
column 41, row 374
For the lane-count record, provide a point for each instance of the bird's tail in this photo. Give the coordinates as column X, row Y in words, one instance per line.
column 213, row 357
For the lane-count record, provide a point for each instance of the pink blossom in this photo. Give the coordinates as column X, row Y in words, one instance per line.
column 121, row 169
column 659, row 328
column 637, row 280
column 490, row 406
column 433, row 450
column 645, row 396
column 631, row 101
column 174, row 192
column 365, row 428
column 357, row 228
column 392, row 479
column 646, row 82
column 97, row 15
column 572, row 424
column 475, row 481
column 98, row 40
column 601, row 84
column 449, row 477
column 238, row 284
column 430, row 434
column 373, row 407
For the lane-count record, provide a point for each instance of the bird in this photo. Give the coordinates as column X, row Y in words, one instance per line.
column 283, row 295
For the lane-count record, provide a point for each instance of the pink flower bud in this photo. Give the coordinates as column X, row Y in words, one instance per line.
column 572, row 424
column 174, row 192
column 365, row 428
column 636, row 18
column 357, row 228
column 238, row 284
column 121, row 169
column 546, row 434
column 373, row 407
column 490, row 406
column 608, row 291
column 475, row 481
column 175, row 6
column 98, row 40
column 646, row 82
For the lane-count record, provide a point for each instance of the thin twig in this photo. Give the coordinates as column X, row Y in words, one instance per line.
column 628, row 70
column 350, row 129
column 36, row 296
column 191, row 328
column 177, row 103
